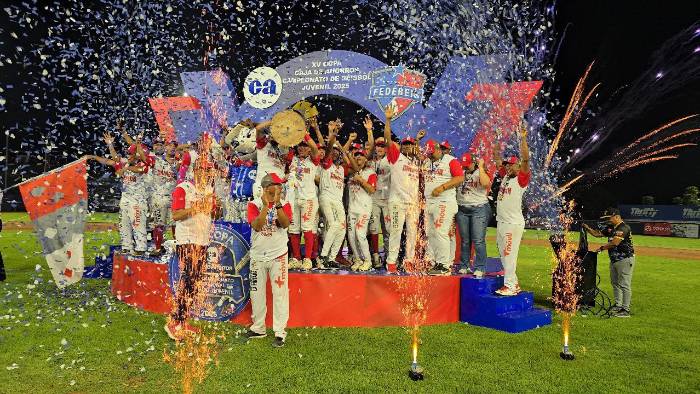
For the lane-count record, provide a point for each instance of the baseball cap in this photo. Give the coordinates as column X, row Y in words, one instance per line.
column 356, row 146
column 379, row 142
column 466, row 160
column 408, row 140
column 510, row 160
column 271, row 179
column 430, row 147
column 610, row 212
column 445, row 144
column 360, row 152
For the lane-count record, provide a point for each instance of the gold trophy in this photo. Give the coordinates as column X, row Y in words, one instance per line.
column 288, row 128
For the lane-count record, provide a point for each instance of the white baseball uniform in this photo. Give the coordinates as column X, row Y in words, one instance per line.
column 268, row 257
column 380, row 219
column 440, row 211
column 133, row 207
column 403, row 202
column 163, row 177
column 271, row 159
column 510, row 223
column 359, row 210
column 302, row 174
column 331, row 187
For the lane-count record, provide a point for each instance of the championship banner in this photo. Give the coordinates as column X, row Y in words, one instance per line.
column 57, row 204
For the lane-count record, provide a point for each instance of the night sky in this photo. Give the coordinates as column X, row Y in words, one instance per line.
column 620, row 35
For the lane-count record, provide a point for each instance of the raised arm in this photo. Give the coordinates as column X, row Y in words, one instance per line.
column 497, row 158
column 333, row 128
column 370, row 135
column 349, row 159
column 388, row 113
column 109, row 140
column 592, row 231
column 101, row 160
column 484, row 178
column 524, row 150
column 351, row 139
column 310, row 142
column 313, row 122
column 260, row 127
column 124, row 134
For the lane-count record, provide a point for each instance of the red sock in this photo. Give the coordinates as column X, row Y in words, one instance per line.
column 374, row 243
column 157, row 235
column 295, row 240
column 309, row 243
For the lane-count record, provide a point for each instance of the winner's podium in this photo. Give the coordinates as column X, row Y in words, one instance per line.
column 481, row 307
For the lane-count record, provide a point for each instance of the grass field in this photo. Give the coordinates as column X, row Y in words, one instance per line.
column 84, row 340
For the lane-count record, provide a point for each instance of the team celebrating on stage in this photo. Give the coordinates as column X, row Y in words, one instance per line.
column 326, row 193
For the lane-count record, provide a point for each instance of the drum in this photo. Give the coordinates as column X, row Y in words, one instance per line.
column 288, row 128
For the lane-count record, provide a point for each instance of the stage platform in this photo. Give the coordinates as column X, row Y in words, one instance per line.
column 345, row 299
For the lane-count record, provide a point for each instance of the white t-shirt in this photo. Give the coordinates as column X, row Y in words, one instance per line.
column 332, row 182
column 271, row 241
column 404, row 176
column 302, row 173
column 383, row 170
column 360, row 200
column 471, row 193
column 509, row 208
column 195, row 229
column 437, row 173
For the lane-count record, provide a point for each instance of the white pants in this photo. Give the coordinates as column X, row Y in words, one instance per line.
column 439, row 217
column 358, row 224
column 132, row 223
column 334, row 215
column 508, row 240
column 379, row 221
column 453, row 241
column 305, row 216
column 277, row 270
column 159, row 208
column 402, row 213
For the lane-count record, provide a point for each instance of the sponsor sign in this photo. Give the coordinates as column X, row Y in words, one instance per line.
column 660, row 213
column 663, row 229
column 262, row 87
column 225, row 280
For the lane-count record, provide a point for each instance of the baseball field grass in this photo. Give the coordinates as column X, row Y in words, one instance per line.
column 83, row 340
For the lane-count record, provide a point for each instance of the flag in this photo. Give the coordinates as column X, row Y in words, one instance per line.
column 57, row 205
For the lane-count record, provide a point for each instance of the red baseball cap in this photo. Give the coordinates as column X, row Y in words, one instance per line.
column 379, row 142
column 510, row 160
column 272, row 179
column 356, row 146
column 466, row 160
column 408, row 140
column 360, row 152
column 445, row 144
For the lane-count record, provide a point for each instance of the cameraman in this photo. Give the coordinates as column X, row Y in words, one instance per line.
column 621, row 252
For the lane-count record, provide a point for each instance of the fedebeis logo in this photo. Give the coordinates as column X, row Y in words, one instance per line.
column 262, row 87
column 397, row 86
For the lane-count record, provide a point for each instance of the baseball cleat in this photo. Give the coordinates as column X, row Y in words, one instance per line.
column 294, row 263
column 507, row 291
column 307, row 264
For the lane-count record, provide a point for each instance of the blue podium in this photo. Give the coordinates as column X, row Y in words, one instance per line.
column 481, row 307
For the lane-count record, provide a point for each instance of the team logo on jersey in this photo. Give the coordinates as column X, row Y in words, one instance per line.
column 225, row 279
column 397, row 86
column 262, row 87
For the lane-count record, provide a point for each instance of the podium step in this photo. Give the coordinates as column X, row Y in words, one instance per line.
column 480, row 306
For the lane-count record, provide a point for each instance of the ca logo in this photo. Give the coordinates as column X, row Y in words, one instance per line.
column 262, row 87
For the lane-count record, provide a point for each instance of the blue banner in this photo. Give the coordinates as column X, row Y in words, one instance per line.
column 660, row 213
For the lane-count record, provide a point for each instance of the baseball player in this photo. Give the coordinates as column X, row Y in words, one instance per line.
column 379, row 219
column 509, row 211
column 404, row 171
column 331, row 185
column 302, row 172
column 442, row 174
column 163, row 180
column 132, row 205
column 193, row 206
column 362, row 186
column 270, row 156
column 474, row 212
column 269, row 218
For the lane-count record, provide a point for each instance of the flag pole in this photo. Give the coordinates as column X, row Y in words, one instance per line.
column 40, row 175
